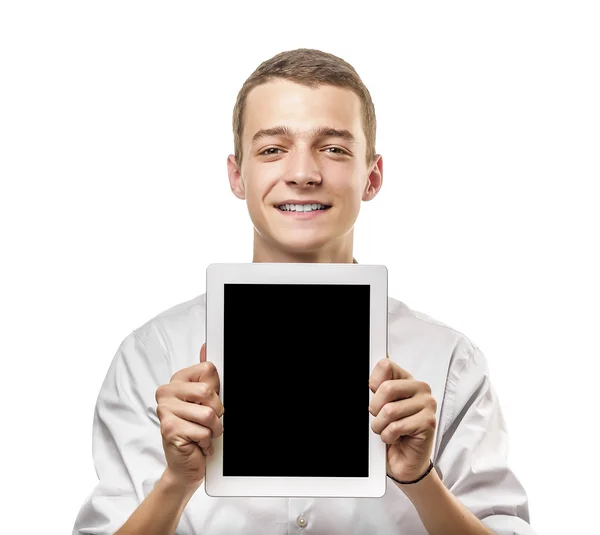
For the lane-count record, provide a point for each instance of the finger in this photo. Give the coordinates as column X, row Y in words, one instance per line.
column 180, row 432
column 195, row 372
column 198, row 414
column 203, row 353
column 422, row 423
column 199, row 393
column 396, row 410
column 384, row 370
column 202, row 372
column 394, row 390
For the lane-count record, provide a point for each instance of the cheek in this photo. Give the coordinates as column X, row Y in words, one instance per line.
column 349, row 190
column 253, row 201
column 257, row 190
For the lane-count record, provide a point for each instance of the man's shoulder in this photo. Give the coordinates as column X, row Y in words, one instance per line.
column 404, row 320
column 184, row 314
column 177, row 332
column 421, row 342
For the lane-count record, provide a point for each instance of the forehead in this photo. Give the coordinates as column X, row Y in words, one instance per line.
column 302, row 108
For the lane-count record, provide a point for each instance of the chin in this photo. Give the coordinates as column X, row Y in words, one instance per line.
column 299, row 245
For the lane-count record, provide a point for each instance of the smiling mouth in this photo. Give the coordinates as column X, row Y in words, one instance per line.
column 303, row 208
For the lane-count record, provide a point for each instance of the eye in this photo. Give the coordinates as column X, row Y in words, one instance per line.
column 270, row 151
column 336, row 149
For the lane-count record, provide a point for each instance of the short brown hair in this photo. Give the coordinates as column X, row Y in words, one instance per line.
column 311, row 68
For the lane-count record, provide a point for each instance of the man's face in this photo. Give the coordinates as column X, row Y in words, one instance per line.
column 303, row 145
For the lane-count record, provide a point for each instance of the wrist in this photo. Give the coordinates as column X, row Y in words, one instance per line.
column 422, row 474
column 422, row 491
column 172, row 483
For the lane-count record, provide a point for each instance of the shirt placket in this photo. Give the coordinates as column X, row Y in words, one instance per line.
column 301, row 517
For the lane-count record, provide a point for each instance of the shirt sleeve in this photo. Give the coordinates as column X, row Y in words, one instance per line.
column 472, row 458
column 126, row 439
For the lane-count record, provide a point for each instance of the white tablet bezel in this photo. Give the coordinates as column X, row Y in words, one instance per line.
column 217, row 275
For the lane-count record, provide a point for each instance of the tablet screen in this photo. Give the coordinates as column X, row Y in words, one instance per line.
column 296, row 369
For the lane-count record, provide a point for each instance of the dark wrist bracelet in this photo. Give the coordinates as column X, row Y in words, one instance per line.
column 416, row 480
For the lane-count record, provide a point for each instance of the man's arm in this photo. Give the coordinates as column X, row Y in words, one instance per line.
column 477, row 493
column 440, row 512
column 122, row 426
column 160, row 512
column 405, row 418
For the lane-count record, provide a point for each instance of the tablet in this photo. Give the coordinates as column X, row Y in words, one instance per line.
column 294, row 345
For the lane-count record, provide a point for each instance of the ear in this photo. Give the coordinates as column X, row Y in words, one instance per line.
column 236, row 182
column 375, row 179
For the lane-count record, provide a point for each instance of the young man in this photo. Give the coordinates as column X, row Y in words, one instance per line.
column 305, row 160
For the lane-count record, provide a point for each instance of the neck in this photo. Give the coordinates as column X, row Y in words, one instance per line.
column 332, row 254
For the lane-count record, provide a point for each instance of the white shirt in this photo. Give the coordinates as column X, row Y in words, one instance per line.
column 470, row 445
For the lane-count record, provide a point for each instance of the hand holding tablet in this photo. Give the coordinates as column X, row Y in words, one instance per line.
column 316, row 331
column 189, row 409
column 405, row 418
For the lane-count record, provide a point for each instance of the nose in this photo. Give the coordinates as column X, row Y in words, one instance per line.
column 303, row 169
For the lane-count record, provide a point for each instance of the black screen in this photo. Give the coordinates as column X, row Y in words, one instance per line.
column 296, row 369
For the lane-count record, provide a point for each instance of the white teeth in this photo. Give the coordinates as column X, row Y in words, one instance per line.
column 301, row 207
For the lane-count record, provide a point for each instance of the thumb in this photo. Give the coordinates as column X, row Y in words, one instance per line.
column 203, row 353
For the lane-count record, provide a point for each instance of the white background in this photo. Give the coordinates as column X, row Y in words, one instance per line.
column 115, row 125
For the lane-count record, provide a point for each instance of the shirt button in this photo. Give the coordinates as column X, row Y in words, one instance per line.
column 301, row 520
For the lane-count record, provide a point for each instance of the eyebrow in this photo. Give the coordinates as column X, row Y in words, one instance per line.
column 323, row 131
